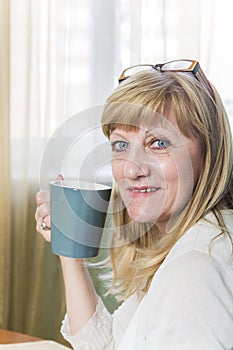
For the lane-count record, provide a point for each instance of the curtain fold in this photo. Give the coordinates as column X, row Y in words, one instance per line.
column 37, row 292
column 5, row 182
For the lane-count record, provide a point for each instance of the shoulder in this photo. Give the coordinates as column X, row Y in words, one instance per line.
column 205, row 237
column 202, row 257
column 190, row 298
column 194, row 286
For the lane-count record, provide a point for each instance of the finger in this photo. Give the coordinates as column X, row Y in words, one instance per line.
column 47, row 235
column 46, row 232
column 42, row 214
column 42, row 211
column 42, row 196
column 60, row 177
column 47, row 221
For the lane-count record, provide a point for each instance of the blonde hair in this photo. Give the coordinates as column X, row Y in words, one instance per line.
column 198, row 113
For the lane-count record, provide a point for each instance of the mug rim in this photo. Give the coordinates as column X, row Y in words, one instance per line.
column 80, row 185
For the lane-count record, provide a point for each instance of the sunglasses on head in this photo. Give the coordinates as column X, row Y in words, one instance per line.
column 183, row 65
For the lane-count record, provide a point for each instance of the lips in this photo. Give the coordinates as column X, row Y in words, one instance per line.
column 143, row 190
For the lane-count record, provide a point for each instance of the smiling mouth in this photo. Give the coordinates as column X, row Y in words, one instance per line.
column 145, row 189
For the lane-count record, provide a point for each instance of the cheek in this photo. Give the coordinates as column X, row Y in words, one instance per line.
column 117, row 169
column 178, row 171
column 170, row 170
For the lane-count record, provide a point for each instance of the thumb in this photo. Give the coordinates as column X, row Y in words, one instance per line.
column 60, row 177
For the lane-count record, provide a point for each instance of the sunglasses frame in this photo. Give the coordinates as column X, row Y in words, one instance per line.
column 194, row 68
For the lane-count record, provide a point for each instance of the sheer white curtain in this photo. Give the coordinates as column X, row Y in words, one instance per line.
column 5, row 184
column 160, row 30
column 65, row 56
column 100, row 38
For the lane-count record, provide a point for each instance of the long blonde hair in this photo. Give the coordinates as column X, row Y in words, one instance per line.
column 198, row 113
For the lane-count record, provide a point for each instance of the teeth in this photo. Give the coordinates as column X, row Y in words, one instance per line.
column 146, row 190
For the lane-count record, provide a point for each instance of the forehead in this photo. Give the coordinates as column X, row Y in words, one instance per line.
column 166, row 123
column 130, row 117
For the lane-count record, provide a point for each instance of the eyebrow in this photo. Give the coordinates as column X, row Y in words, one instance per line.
column 116, row 134
column 170, row 130
column 150, row 130
column 153, row 130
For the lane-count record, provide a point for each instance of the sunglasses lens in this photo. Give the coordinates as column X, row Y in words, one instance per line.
column 136, row 69
column 177, row 65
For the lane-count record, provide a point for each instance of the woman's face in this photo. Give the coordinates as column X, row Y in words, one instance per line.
column 156, row 169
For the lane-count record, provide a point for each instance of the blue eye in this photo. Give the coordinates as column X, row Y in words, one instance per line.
column 119, row 146
column 160, row 144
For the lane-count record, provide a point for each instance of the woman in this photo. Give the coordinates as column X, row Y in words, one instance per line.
column 173, row 198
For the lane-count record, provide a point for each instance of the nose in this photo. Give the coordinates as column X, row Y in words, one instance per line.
column 137, row 165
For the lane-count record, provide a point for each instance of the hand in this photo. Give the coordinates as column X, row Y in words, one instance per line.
column 42, row 214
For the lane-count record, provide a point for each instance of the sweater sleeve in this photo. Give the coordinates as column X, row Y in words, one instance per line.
column 103, row 331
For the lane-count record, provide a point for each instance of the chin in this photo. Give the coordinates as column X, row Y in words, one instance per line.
column 144, row 221
column 142, row 218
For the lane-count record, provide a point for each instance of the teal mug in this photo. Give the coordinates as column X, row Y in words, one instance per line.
column 78, row 214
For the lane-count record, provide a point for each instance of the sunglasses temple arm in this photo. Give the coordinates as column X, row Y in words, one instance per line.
column 202, row 78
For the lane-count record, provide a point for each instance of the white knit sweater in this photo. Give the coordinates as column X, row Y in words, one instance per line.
column 189, row 305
